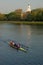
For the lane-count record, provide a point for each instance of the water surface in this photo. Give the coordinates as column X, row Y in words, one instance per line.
column 28, row 35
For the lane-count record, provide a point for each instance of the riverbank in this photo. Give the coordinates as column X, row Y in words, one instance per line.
column 23, row 22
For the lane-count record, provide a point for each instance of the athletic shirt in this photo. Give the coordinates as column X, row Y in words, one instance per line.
column 13, row 43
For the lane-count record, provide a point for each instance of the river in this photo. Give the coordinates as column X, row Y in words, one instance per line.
column 27, row 35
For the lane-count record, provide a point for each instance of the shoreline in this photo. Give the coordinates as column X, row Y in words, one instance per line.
column 23, row 22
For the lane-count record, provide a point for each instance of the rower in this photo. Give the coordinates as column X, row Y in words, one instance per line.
column 12, row 43
column 18, row 45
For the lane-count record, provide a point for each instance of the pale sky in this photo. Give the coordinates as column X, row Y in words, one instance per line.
column 7, row 6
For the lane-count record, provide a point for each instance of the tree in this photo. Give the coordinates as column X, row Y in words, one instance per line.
column 2, row 17
column 16, row 15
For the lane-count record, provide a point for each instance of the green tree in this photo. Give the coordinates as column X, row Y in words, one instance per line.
column 29, row 17
column 16, row 15
column 2, row 17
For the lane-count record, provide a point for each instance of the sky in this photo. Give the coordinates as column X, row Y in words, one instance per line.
column 7, row 6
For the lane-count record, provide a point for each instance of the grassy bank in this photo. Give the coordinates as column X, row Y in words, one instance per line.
column 23, row 22
column 29, row 23
column 26, row 22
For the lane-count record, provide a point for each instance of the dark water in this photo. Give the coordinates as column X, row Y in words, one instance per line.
column 28, row 35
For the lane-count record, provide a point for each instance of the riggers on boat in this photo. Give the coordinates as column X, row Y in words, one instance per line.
column 18, row 48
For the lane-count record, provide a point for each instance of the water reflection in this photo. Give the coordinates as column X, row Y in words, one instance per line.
column 28, row 35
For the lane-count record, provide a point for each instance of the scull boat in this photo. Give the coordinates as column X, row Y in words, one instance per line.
column 21, row 49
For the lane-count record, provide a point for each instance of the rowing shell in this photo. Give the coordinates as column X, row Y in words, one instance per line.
column 21, row 49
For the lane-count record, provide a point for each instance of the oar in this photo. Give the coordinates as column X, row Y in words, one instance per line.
column 26, row 47
column 7, row 41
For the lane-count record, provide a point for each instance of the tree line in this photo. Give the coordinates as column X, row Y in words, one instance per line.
column 19, row 15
